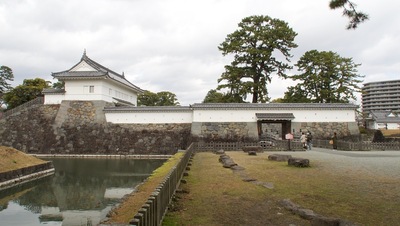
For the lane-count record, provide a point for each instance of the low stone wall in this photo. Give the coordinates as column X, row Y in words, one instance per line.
column 20, row 176
column 325, row 130
column 9, row 175
column 68, row 129
column 120, row 139
column 225, row 131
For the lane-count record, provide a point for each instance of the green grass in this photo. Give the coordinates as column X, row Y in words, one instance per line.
column 216, row 194
column 131, row 205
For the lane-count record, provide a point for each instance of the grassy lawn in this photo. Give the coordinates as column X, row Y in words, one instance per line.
column 132, row 203
column 219, row 196
column 12, row 159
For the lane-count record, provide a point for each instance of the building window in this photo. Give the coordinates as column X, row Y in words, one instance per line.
column 91, row 89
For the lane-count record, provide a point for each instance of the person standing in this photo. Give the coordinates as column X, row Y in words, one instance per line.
column 334, row 141
column 309, row 140
column 303, row 140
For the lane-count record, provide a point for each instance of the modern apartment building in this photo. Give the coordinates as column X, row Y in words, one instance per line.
column 381, row 96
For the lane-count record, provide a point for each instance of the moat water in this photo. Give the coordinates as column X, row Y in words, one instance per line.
column 81, row 192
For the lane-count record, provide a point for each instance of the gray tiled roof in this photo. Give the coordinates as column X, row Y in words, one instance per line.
column 72, row 74
column 101, row 71
column 257, row 106
column 52, row 91
column 123, row 102
column 275, row 116
column 388, row 120
column 383, row 117
column 148, row 109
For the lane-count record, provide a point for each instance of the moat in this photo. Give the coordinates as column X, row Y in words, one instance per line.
column 81, row 192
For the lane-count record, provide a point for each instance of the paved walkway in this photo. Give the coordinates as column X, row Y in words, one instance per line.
column 378, row 163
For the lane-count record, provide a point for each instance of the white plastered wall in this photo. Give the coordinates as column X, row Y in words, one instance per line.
column 53, row 98
column 329, row 115
column 102, row 90
column 149, row 117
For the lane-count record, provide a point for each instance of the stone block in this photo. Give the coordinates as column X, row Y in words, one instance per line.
column 252, row 153
column 252, row 148
column 299, row 162
column 279, row 157
column 226, row 161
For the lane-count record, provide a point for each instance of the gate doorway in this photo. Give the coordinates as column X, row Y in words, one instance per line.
column 273, row 126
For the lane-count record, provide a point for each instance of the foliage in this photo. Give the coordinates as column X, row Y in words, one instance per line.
column 349, row 10
column 59, row 85
column 147, row 99
column 163, row 98
column 29, row 90
column 257, row 47
column 167, row 99
column 213, row 96
column 362, row 130
column 295, row 94
column 6, row 74
column 378, row 136
column 326, row 78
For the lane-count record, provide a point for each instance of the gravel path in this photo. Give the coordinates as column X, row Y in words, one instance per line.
column 373, row 163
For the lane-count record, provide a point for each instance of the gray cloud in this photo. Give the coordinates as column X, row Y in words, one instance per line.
column 172, row 44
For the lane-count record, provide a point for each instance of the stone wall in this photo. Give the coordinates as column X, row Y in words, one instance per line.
column 79, row 127
column 325, row 130
column 121, row 139
column 225, row 131
column 241, row 131
column 30, row 129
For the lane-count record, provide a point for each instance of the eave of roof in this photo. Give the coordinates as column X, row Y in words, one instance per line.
column 123, row 102
column 80, row 74
column 148, row 109
column 53, row 91
column 388, row 120
column 275, row 116
column 100, row 73
column 276, row 106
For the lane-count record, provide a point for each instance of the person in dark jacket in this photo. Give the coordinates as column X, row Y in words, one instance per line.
column 334, row 141
column 309, row 140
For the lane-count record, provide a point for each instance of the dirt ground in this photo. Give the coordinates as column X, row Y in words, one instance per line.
column 214, row 195
column 12, row 159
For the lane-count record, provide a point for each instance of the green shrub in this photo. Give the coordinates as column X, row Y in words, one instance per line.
column 363, row 130
column 378, row 136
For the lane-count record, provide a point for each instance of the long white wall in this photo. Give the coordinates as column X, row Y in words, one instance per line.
column 250, row 115
column 226, row 116
column 150, row 117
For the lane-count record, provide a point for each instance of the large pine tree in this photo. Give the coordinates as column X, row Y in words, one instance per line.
column 325, row 77
column 261, row 48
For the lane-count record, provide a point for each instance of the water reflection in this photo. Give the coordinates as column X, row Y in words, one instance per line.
column 81, row 192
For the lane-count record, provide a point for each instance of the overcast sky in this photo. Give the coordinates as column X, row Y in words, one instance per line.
column 171, row 45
